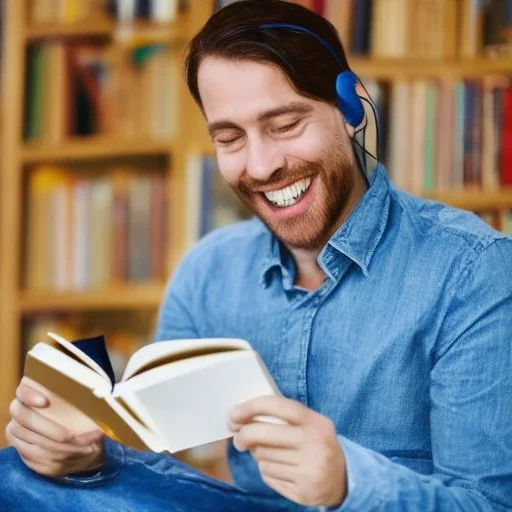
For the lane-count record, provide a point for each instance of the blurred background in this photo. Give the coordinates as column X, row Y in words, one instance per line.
column 107, row 174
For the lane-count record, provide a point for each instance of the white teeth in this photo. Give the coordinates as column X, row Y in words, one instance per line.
column 290, row 194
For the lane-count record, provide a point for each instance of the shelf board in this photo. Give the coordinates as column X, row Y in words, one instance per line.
column 475, row 200
column 120, row 297
column 397, row 68
column 93, row 147
column 131, row 34
column 98, row 27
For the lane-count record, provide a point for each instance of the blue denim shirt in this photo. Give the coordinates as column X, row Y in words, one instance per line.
column 406, row 346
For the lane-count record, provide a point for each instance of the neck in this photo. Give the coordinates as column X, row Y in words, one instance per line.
column 309, row 274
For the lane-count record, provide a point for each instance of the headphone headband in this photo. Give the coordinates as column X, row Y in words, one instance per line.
column 298, row 28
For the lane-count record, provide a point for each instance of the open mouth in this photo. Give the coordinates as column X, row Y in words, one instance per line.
column 290, row 195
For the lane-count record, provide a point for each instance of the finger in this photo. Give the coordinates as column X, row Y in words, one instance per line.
column 263, row 434
column 29, row 436
column 61, row 468
column 277, row 471
column 276, row 406
column 42, row 469
column 234, row 426
column 88, row 438
column 31, row 397
column 32, row 420
column 287, row 456
column 286, row 489
column 29, row 451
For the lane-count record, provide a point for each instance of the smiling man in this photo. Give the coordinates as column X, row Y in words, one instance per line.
column 384, row 319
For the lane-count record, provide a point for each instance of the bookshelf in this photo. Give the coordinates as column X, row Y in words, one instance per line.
column 19, row 156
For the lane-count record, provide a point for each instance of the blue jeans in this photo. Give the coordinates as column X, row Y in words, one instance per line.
column 131, row 481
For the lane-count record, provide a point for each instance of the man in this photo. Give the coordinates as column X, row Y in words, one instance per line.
column 384, row 319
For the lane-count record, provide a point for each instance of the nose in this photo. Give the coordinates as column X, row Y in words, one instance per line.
column 263, row 158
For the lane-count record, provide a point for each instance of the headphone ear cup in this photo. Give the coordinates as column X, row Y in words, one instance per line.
column 349, row 102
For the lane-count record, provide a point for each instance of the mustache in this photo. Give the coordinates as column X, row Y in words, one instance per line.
column 279, row 177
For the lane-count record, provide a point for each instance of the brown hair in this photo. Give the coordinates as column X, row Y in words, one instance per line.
column 234, row 33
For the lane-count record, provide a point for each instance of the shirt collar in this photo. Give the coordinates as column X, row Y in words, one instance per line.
column 356, row 239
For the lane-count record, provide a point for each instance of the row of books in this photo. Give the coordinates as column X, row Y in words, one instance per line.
column 71, row 11
column 211, row 203
column 89, row 230
column 85, row 89
column 442, row 134
column 440, row 29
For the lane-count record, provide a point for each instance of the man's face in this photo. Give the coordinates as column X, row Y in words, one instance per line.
column 287, row 157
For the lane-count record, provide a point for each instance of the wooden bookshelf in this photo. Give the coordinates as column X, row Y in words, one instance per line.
column 125, row 297
column 93, row 147
column 475, row 200
column 93, row 28
column 129, row 34
column 18, row 155
column 391, row 69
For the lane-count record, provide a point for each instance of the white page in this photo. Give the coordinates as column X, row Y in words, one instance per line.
column 80, row 355
column 192, row 408
column 73, row 369
column 161, row 349
column 170, row 370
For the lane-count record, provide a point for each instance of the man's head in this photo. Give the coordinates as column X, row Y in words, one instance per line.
column 269, row 98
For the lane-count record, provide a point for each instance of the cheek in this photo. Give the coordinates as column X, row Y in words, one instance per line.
column 312, row 146
column 231, row 166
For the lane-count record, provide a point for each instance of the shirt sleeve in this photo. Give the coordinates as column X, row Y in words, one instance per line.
column 471, row 407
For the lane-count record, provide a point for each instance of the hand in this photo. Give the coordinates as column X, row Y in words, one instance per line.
column 302, row 459
column 45, row 446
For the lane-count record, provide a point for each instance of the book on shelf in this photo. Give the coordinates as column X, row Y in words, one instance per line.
column 447, row 134
column 173, row 395
column 80, row 89
column 211, row 203
column 429, row 29
column 124, row 11
column 90, row 229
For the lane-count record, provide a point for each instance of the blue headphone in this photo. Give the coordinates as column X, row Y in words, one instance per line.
column 349, row 103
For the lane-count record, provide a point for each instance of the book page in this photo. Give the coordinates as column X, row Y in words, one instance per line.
column 67, row 345
column 191, row 408
column 62, row 362
column 163, row 352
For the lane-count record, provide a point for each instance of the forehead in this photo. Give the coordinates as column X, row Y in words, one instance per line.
column 240, row 90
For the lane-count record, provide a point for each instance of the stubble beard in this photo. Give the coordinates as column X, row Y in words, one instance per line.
column 335, row 177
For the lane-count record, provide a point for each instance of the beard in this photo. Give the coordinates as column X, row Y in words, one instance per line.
column 333, row 179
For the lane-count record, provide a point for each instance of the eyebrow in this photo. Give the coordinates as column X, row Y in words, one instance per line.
column 295, row 107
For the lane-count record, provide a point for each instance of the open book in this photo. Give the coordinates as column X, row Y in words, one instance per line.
column 173, row 394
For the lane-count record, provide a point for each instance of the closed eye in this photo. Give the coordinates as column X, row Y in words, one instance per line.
column 225, row 142
column 287, row 128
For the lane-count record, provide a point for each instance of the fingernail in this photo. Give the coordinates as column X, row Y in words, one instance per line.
column 91, row 449
column 39, row 400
